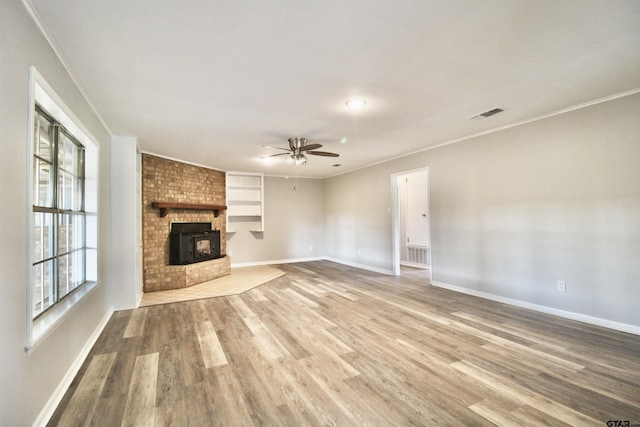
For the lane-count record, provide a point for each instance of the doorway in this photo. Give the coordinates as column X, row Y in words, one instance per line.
column 411, row 223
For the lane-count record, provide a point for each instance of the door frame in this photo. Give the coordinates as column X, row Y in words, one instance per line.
column 395, row 217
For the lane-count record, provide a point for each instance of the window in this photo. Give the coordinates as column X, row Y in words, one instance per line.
column 59, row 223
column 63, row 226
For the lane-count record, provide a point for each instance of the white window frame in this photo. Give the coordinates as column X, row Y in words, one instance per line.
column 41, row 93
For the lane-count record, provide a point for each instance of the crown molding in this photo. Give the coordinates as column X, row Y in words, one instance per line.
column 35, row 16
column 501, row 128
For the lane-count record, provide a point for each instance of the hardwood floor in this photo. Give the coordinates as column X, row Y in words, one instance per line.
column 327, row 344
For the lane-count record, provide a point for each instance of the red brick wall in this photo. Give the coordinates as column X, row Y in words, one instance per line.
column 166, row 180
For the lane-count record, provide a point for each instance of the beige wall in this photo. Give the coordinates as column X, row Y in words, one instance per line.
column 514, row 211
column 28, row 382
column 294, row 224
column 125, row 291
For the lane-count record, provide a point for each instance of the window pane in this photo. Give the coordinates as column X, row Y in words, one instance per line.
column 77, row 240
column 70, row 174
column 43, row 236
column 76, row 276
column 68, row 154
column 43, row 185
column 43, row 145
column 69, row 191
column 70, row 272
column 66, row 190
column 65, row 233
column 63, row 275
column 43, row 287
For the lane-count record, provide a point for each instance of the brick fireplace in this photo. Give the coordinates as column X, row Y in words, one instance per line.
column 168, row 181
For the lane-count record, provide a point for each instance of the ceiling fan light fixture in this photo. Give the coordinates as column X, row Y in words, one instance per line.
column 296, row 153
column 297, row 160
column 356, row 103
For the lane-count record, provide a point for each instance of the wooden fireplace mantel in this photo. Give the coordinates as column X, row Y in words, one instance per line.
column 165, row 207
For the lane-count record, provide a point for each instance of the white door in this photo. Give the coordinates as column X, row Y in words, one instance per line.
column 415, row 215
column 417, row 209
column 411, row 221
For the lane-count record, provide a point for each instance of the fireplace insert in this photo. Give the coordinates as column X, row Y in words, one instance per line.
column 193, row 242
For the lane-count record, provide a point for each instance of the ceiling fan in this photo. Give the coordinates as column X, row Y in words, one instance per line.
column 298, row 148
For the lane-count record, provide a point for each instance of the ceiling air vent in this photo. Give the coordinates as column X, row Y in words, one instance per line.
column 488, row 113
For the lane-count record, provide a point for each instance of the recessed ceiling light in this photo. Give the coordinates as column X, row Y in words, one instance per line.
column 356, row 104
column 343, row 140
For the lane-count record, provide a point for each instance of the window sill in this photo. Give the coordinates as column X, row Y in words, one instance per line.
column 43, row 326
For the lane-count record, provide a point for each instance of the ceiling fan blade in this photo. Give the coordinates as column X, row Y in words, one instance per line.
column 323, row 153
column 277, row 148
column 310, row 147
column 274, row 155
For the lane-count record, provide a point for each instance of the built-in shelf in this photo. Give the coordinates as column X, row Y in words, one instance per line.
column 245, row 200
column 165, row 207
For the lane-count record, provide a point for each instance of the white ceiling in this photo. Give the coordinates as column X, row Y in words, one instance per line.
column 212, row 82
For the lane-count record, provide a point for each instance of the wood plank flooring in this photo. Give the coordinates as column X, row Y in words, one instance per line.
column 327, row 344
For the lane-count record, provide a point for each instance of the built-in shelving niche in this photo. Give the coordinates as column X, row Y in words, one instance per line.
column 245, row 201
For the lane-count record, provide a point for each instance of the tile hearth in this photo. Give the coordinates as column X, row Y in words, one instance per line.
column 240, row 280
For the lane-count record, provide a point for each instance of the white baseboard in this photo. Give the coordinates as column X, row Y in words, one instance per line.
column 623, row 327
column 362, row 266
column 277, row 261
column 414, row 265
column 63, row 386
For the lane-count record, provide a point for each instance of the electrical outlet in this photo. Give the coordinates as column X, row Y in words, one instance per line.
column 562, row 286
